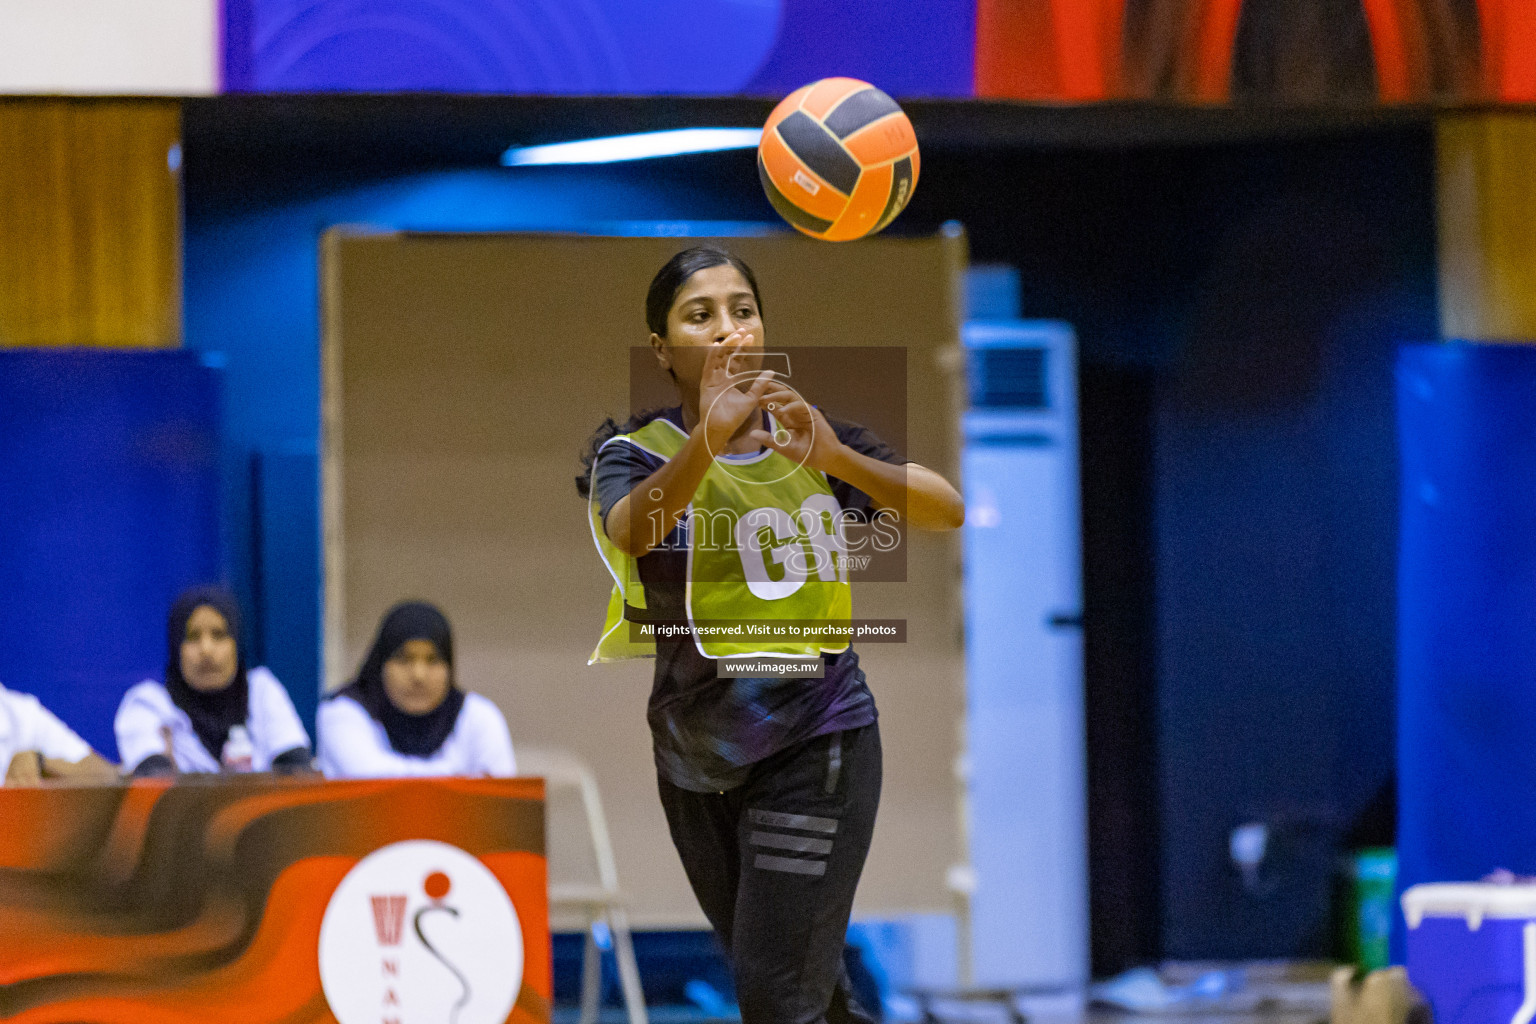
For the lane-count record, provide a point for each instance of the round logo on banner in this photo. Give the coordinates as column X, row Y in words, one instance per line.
column 420, row 931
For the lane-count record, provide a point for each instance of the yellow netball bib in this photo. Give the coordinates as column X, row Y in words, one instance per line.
column 767, row 568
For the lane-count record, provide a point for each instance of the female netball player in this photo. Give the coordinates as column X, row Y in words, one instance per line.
column 770, row 786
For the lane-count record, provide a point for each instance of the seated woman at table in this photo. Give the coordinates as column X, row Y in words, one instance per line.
column 36, row 747
column 211, row 714
column 404, row 714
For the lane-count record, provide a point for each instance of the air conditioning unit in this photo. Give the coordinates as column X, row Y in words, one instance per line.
column 1024, row 766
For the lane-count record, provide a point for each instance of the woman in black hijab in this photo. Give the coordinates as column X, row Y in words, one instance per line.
column 211, row 713
column 404, row 713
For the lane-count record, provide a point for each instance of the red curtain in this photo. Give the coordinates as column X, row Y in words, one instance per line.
column 1509, row 49
column 1049, row 49
column 1085, row 50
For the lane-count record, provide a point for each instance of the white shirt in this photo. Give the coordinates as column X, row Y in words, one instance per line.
column 147, row 716
column 26, row 725
column 355, row 746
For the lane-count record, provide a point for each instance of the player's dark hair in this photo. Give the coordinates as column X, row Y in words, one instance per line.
column 600, row 436
column 669, row 280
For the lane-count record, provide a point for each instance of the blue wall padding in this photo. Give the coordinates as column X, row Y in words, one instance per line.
column 109, row 504
column 286, row 631
column 1467, row 611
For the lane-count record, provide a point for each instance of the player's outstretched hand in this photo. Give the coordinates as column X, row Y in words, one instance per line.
column 804, row 433
column 723, row 403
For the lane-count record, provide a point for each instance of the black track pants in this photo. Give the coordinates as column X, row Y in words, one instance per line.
column 774, row 863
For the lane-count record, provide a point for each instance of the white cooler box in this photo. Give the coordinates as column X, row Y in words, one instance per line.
column 1472, row 951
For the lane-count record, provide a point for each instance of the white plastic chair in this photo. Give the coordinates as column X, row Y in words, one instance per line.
column 600, row 903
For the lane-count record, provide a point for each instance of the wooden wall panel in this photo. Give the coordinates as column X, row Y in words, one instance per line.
column 1487, row 225
column 90, row 223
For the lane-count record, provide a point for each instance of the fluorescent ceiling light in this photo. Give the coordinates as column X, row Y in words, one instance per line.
column 642, row 146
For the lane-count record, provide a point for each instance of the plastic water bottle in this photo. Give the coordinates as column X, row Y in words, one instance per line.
column 238, row 750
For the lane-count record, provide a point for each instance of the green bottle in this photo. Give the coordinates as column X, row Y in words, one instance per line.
column 1373, row 906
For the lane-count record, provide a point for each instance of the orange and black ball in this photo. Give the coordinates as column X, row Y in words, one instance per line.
column 838, row 159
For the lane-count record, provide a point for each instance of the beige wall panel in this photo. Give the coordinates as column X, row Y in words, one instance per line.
column 1486, row 191
column 90, row 225
column 463, row 376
